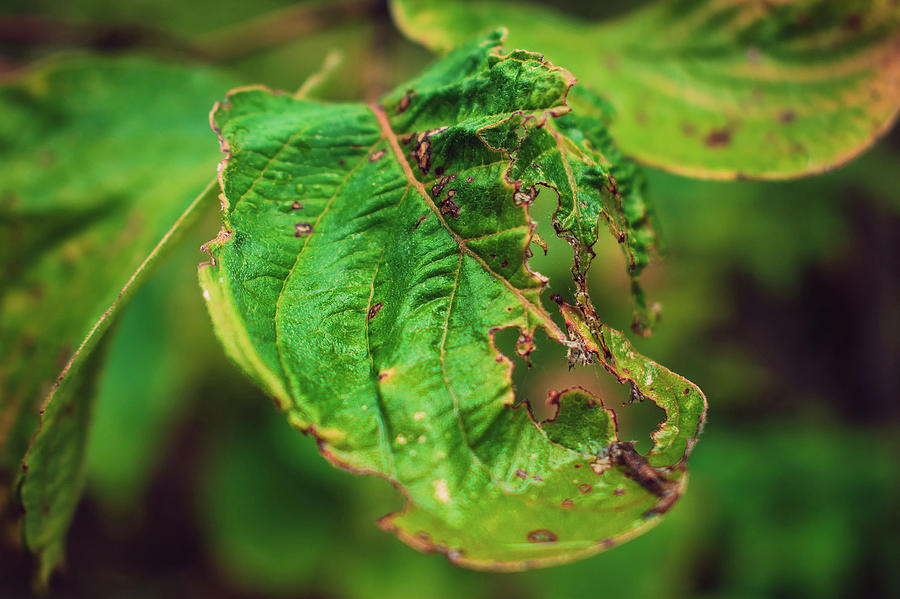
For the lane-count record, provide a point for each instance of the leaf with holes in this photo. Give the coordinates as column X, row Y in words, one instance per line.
column 369, row 255
column 713, row 89
column 101, row 161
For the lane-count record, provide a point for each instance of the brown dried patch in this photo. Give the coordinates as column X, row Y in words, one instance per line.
column 420, row 221
column 422, row 149
column 296, row 205
column 377, row 155
column 301, row 229
column 448, row 206
column 600, row 465
column 585, row 488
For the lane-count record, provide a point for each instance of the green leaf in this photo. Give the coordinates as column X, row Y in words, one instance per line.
column 102, row 159
column 369, row 255
column 717, row 90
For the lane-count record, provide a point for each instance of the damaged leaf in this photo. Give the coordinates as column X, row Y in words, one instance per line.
column 717, row 90
column 102, row 161
column 368, row 256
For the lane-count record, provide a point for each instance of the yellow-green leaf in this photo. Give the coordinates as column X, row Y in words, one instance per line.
column 712, row 89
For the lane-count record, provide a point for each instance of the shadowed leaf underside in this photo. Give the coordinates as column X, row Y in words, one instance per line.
column 368, row 256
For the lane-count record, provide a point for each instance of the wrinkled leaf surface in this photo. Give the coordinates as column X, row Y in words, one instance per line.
column 369, row 255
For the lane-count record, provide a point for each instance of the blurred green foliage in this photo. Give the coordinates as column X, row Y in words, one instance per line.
column 782, row 300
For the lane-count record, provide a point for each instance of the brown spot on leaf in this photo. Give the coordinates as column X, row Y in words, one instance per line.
column 341, row 163
column 607, row 542
column 718, row 138
column 439, row 171
column 405, row 101
column 376, row 155
column 686, row 391
column 688, row 129
column 567, row 503
column 542, row 535
column 619, row 492
column 469, row 179
column 504, row 264
column 585, row 488
column 373, row 310
column 296, row 205
column 521, row 474
column 301, row 229
column 419, row 222
column 787, row 117
column 422, row 149
column 404, row 140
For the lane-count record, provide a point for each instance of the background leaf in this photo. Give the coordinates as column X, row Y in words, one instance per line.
column 717, row 90
column 68, row 208
column 369, row 256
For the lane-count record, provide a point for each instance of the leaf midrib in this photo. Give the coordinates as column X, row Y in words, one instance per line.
column 553, row 331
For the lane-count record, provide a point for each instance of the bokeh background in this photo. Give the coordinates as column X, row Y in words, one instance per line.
column 781, row 300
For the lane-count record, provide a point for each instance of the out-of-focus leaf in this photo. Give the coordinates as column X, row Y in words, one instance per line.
column 101, row 161
column 161, row 351
column 368, row 257
column 713, row 89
